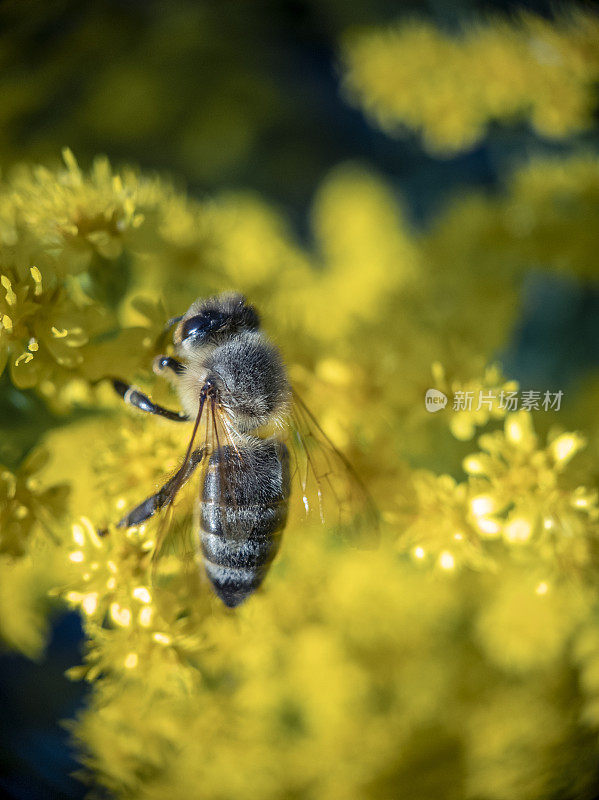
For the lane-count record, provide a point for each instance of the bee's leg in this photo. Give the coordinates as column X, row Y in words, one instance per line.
column 155, row 502
column 135, row 398
column 163, row 363
column 169, row 368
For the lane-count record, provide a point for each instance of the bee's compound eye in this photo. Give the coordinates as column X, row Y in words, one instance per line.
column 250, row 318
column 201, row 327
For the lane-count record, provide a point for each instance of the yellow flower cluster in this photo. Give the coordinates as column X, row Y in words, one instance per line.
column 488, row 399
column 450, row 87
column 344, row 673
column 350, row 669
column 25, row 504
column 71, row 248
column 461, row 657
column 453, row 292
column 111, row 582
column 551, row 211
column 481, row 245
column 527, row 498
column 32, row 513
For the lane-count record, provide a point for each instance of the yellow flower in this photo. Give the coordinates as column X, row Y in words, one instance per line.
column 26, row 504
column 449, row 88
column 72, row 246
column 348, row 669
column 516, row 492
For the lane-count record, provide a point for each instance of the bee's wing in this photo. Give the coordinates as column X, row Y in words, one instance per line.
column 175, row 533
column 179, row 533
column 330, row 489
column 231, row 478
column 175, row 542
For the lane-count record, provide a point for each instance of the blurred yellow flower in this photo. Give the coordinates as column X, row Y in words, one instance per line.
column 27, row 505
column 349, row 670
column 450, row 87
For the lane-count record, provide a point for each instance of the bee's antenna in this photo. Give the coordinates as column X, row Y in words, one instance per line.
column 162, row 336
column 172, row 321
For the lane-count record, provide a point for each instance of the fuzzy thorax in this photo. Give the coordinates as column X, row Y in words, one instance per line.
column 250, row 378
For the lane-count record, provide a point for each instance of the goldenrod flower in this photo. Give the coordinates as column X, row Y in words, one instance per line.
column 349, row 669
column 449, row 88
column 27, row 504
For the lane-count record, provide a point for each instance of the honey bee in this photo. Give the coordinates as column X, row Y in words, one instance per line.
column 253, row 436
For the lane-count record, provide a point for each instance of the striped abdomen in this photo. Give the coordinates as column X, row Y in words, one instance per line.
column 243, row 513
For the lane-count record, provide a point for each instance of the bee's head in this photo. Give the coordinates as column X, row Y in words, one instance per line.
column 213, row 321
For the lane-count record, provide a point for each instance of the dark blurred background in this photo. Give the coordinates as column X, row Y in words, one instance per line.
column 224, row 95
